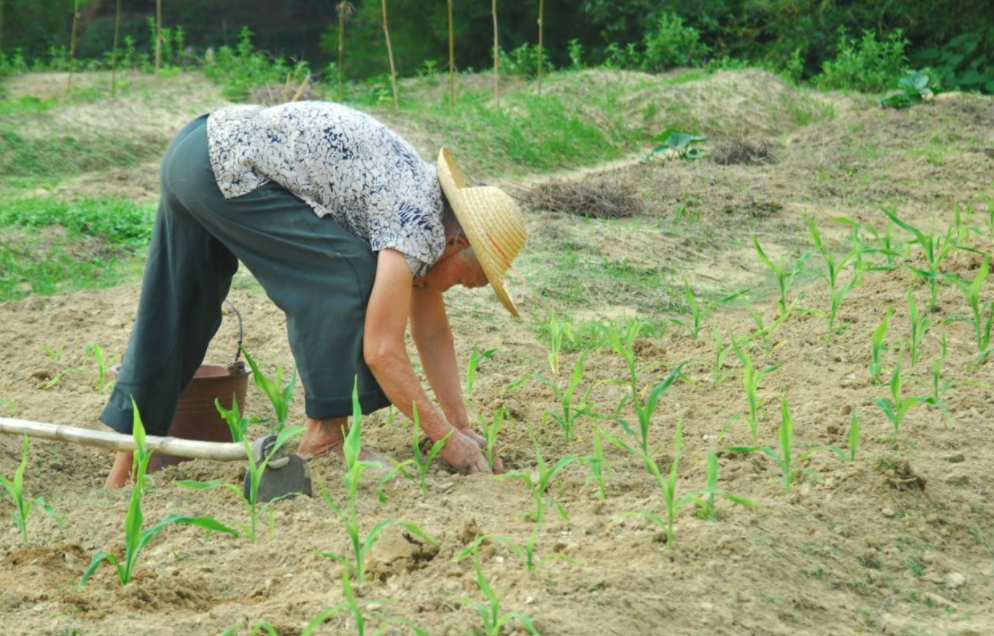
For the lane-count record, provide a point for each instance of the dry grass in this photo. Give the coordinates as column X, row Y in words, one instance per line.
column 743, row 151
column 600, row 199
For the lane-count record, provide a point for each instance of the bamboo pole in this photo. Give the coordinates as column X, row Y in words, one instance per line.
column 541, row 11
column 72, row 45
column 113, row 57
column 194, row 449
column 496, row 58
column 452, row 63
column 393, row 70
column 158, row 36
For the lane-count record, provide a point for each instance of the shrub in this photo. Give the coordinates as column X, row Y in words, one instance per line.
column 672, row 44
column 867, row 64
column 241, row 69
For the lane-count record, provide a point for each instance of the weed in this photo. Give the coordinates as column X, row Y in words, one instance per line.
column 898, row 405
column 279, row 395
column 751, row 378
column 783, row 458
column 699, row 313
column 136, row 539
column 707, row 495
column 919, row 327
column 686, row 146
column 878, row 344
column 912, row 88
column 978, row 310
column 475, row 357
column 785, row 276
column 22, row 504
column 865, row 64
column 421, row 462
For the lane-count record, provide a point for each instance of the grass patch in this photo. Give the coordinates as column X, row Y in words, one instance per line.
column 52, row 246
column 64, row 155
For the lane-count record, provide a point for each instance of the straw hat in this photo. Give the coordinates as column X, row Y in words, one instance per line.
column 492, row 221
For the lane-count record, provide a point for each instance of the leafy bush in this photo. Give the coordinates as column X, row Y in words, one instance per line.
column 867, row 64
column 672, row 44
column 241, row 69
column 523, row 61
column 913, row 88
column 961, row 63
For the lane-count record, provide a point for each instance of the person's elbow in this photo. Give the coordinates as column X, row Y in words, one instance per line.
column 378, row 353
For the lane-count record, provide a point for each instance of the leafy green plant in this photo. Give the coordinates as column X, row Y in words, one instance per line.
column 475, row 357
column 672, row 142
column 853, row 439
column 355, row 609
column 644, row 409
column 279, row 395
column 494, row 620
column 785, row 276
column 103, row 364
column 919, row 327
column 22, row 504
column 573, row 404
column 912, row 88
column 490, row 431
column 937, row 364
column 349, row 513
column 981, row 316
column 785, row 457
column 708, row 494
column 934, row 247
column 720, row 353
column 866, row 64
column 751, row 379
column 237, row 424
column 136, row 539
column 557, row 331
column 897, row 406
column 255, row 472
column 669, row 43
column 878, row 344
column 421, row 461
column 596, row 462
column 832, row 268
column 699, row 313
column 540, row 479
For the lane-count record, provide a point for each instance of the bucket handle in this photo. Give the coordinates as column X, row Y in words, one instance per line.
column 235, row 365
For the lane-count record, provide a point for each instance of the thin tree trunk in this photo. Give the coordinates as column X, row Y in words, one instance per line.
column 1, row 26
column 72, row 45
column 541, row 11
column 158, row 36
column 452, row 63
column 496, row 58
column 393, row 70
column 113, row 57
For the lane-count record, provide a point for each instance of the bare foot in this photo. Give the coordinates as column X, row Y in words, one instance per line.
column 120, row 472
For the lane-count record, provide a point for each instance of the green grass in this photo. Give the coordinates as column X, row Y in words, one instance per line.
column 52, row 246
column 61, row 155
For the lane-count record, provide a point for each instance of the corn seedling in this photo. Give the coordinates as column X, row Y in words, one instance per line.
column 596, row 462
column 136, row 539
column 878, row 344
column 278, row 394
column 558, row 330
column 720, row 353
column 784, row 458
column 349, row 513
column 538, row 482
column 990, row 216
column 785, row 276
column 22, row 504
column 644, row 409
column 103, row 365
column 494, row 620
column 709, row 493
column 898, row 405
column 573, row 403
column 832, row 268
column 237, row 424
column 421, row 461
column 937, row 365
column 475, row 357
column 751, row 379
column 699, row 312
column 355, row 610
column 981, row 316
column 490, row 431
column 853, row 439
column 919, row 327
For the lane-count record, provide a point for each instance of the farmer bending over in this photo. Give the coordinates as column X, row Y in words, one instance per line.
column 350, row 233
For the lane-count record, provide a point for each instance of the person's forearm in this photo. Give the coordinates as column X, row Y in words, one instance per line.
column 394, row 374
column 438, row 357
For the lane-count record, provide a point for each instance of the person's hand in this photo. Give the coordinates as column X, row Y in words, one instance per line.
column 471, row 433
column 463, row 454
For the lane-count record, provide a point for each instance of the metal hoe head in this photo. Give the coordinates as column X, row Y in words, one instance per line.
column 286, row 475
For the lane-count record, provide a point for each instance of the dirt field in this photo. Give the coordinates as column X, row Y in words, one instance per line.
column 898, row 542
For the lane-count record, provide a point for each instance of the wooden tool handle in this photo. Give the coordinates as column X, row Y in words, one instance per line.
column 193, row 449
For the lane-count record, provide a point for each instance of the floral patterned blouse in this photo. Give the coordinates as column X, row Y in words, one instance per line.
column 340, row 162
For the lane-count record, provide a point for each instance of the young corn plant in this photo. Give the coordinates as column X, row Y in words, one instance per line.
column 103, row 364
column 785, row 457
column 355, row 610
column 832, row 268
column 279, row 395
column 937, row 365
column 538, row 482
column 349, row 512
column 644, row 409
column 237, row 423
column 494, row 620
column 573, row 403
column 878, row 344
column 22, row 504
column 720, row 354
column 698, row 311
column 558, row 331
column 919, row 327
column 421, row 461
column 491, row 429
column 853, row 439
column 785, row 276
column 708, row 495
column 751, row 379
column 475, row 358
column 981, row 316
column 934, row 247
column 136, row 539
column 898, row 405
column 596, row 463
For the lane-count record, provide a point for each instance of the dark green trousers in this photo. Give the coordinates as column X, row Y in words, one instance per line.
column 319, row 274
